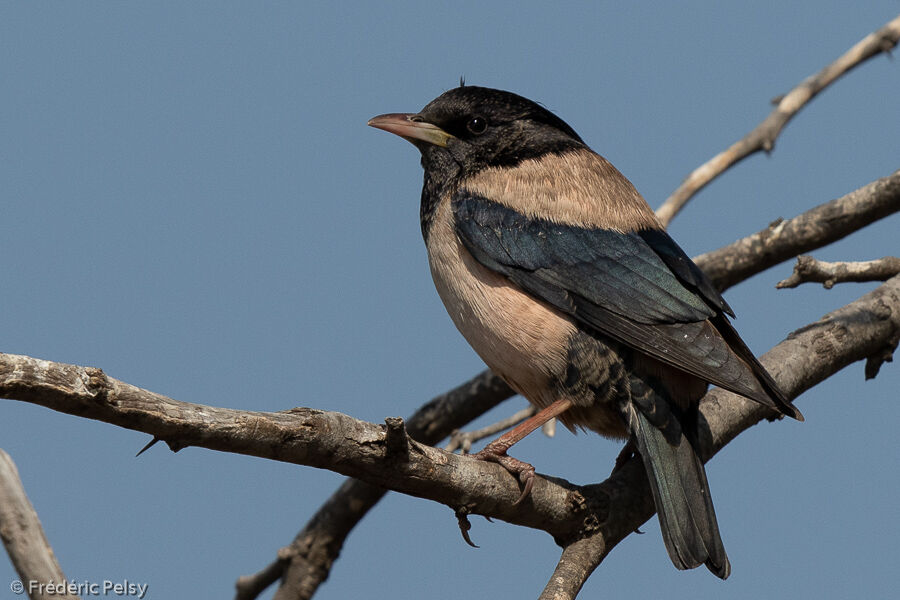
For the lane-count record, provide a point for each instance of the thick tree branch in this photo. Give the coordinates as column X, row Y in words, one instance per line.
column 812, row 229
column 302, row 436
column 764, row 135
column 306, row 563
column 810, row 270
column 24, row 538
column 578, row 561
column 601, row 514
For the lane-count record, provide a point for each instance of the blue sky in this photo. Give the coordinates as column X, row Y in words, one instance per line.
column 192, row 202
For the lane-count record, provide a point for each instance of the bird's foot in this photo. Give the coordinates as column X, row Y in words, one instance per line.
column 523, row 471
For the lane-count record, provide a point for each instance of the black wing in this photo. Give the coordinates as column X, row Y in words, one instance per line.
column 639, row 288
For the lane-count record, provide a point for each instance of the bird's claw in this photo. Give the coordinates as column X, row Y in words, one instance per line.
column 523, row 471
column 527, row 479
column 462, row 519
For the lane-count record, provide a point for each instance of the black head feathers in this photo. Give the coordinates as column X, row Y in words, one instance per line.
column 492, row 128
column 497, row 106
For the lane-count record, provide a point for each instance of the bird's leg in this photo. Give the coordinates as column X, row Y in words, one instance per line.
column 496, row 450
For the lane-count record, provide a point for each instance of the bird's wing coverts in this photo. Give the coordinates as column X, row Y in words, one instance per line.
column 638, row 288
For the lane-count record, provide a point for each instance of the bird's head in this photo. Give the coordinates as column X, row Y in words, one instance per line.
column 467, row 129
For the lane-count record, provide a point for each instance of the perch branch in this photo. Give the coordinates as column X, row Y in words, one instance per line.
column 303, row 436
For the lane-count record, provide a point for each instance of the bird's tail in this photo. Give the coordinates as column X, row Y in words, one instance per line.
column 681, row 494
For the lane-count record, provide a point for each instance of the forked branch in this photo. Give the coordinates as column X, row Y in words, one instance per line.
column 764, row 135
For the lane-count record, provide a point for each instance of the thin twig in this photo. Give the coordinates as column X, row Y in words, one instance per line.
column 464, row 439
column 810, row 270
column 764, row 135
column 812, row 229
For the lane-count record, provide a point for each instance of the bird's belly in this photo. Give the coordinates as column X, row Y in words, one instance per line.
column 521, row 339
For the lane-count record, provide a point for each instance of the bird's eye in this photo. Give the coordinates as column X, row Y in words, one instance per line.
column 477, row 125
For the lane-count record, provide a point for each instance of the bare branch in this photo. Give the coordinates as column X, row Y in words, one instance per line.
column 314, row 550
column 578, row 561
column 812, row 229
column 878, row 358
column 764, row 135
column 24, row 538
column 810, row 270
column 302, row 436
column 249, row 587
column 319, row 543
column 463, row 440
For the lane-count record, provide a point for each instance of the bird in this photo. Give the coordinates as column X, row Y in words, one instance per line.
column 560, row 276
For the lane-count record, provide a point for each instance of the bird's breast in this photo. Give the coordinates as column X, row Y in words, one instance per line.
column 520, row 338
